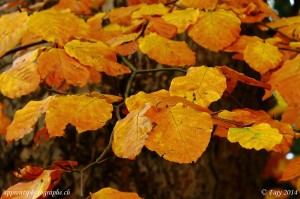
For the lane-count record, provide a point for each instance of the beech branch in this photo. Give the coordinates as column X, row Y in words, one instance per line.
column 278, row 31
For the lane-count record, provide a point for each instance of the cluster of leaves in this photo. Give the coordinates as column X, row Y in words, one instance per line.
column 177, row 123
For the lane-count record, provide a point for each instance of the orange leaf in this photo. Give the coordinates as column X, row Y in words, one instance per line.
column 76, row 6
column 64, row 165
column 162, row 28
column 127, row 48
column 110, row 193
column 22, row 78
column 207, row 5
column 62, row 68
column 241, row 43
column 57, row 26
column 215, row 30
column 26, row 118
column 44, row 182
column 262, row 56
column 292, row 116
column 130, row 134
column 176, row 137
column 287, row 81
column 182, row 18
column 95, row 22
column 4, row 121
column 83, row 112
column 41, row 136
column 97, row 55
column 232, row 77
column 292, row 170
column 29, row 172
column 122, row 15
column 202, row 85
column 12, row 27
column 166, row 51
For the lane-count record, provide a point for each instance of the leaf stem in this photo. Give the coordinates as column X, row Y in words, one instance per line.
column 23, row 47
column 132, row 76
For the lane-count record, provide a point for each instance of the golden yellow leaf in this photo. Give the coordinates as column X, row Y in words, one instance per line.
column 130, row 134
column 262, row 56
column 176, row 137
column 202, row 85
column 96, row 55
column 12, row 27
column 165, row 51
column 288, row 21
column 122, row 15
column 26, row 118
column 22, row 78
column 57, row 26
column 4, row 121
column 84, row 112
column 207, row 5
column 182, row 18
column 150, row 10
column 159, row 99
column 260, row 136
column 36, row 187
column 241, row 43
column 110, row 193
column 287, row 81
column 61, row 68
column 215, row 30
column 292, row 170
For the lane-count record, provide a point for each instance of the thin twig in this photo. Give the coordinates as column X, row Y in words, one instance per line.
column 118, row 110
column 23, row 47
column 275, row 30
column 289, row 49
column 160, row 69
column 231, row 122
column 132, row 76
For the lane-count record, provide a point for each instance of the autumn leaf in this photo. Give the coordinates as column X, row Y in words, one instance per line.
column 178, row 138
column 78, row 7
column 85, row 112
column 127, row 48
column 122, row 15
column 159, row 99
column 97, row 55
column 262, row 56
column 206, row 5
column 57, row 26
column 150, row 10
column 292, row 116
column 182, row 19
column 44, row 182
column 22, row 78
column 232, row 77
column 4, row 121
column 26, row 118
column 130, row 134
column 202, row 85
column 162, row 28
column 215, row 30
column 64, row 165
column 62, row 68
column 110, row 193
column 260, row 136
column 292, row 170
column 12, row 27
column 241, row 43
column 166, row 51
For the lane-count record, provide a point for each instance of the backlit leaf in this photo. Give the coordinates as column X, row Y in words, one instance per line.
column 84, row 112
column 28, row 172
column 241, row 43
column 207, row 5
column 292, row 170
column 262, row 56
column 176, row 137
column 164, row 51
column 26, row 118
column 76, row 6
column 57, row 26
column 62, row 68
column 37, row 187
column 130, row 134
column 22, row 78
column 260, row 136
column 162, row 28
column 182, row 18
column 12, row 27
column 122, row 15
column 292, row 116
column 202, row 85
column 215, row 30
column 110, row 193
column 97, row 55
